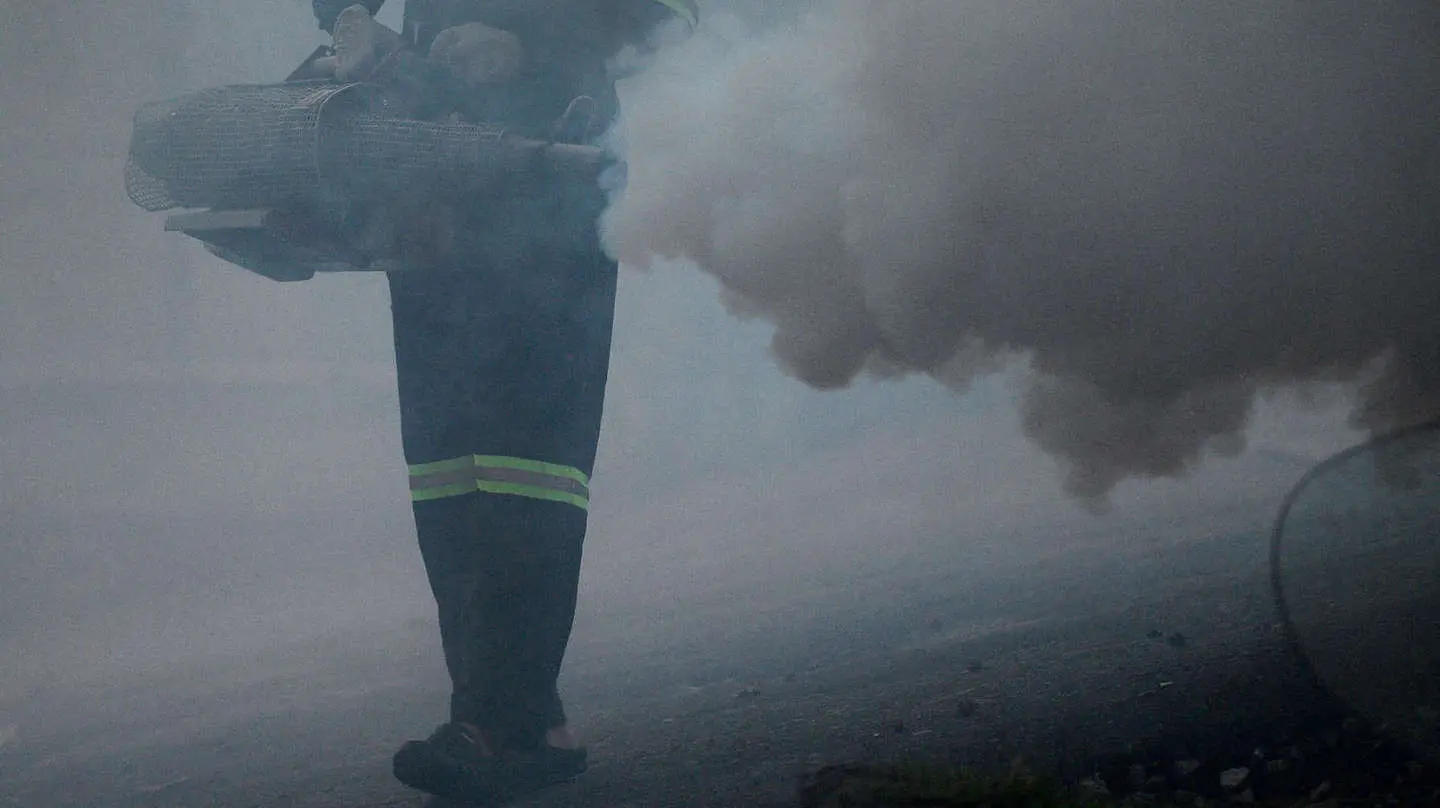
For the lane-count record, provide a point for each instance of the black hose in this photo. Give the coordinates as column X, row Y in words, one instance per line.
column 1277, row 538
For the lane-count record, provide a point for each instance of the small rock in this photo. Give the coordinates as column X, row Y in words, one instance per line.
column 1155, row 785
column 1246, row 796
column 747, row 693
column 975, row 666
column 1234, row 779
column 1320, row 791
column 966, row 708
column 1154, row 634
column 1185, row 768
column 1176, row 640
column 1094, row 786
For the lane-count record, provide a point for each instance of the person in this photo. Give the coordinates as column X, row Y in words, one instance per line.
column 502, row 355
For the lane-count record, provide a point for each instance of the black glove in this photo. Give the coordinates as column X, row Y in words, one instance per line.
column 327, row 10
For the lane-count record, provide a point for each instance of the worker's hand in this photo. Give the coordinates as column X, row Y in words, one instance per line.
column 361, row 43
column 478, row 54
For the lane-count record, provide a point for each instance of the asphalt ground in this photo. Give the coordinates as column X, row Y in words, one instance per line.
column 1156, row 651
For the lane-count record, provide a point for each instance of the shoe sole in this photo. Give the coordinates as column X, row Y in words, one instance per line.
column 420, row 767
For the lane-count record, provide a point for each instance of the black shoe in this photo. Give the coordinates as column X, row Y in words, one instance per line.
column 453, row 763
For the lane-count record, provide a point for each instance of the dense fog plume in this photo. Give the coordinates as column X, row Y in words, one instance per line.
column 1165, row 209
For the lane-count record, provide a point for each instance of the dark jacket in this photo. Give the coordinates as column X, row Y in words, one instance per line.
column 567, row 44
column 506, row 352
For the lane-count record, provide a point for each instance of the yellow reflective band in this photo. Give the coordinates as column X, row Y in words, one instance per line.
column 689, row 10
column 443, row 491
column 534, row 492
column 441, row 466
column 539, row 467
column 498, row 461
column 496, row 474
column 489, row 487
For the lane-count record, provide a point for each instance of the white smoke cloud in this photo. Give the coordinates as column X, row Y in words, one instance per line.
column 1165, row 209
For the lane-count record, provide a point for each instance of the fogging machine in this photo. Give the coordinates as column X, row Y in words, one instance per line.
column 291, row 179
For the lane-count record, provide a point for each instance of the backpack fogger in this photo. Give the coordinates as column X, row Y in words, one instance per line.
column 311, row 175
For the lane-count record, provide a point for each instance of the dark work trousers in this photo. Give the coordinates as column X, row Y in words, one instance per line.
column 504, row 353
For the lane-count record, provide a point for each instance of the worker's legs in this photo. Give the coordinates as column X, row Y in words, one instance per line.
column 504, row 571
column 502, row 369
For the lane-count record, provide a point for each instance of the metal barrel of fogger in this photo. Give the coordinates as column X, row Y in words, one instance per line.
column 264, row 145
column 391, row 155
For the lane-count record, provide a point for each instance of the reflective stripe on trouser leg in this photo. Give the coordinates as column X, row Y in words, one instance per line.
column 495, row 474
